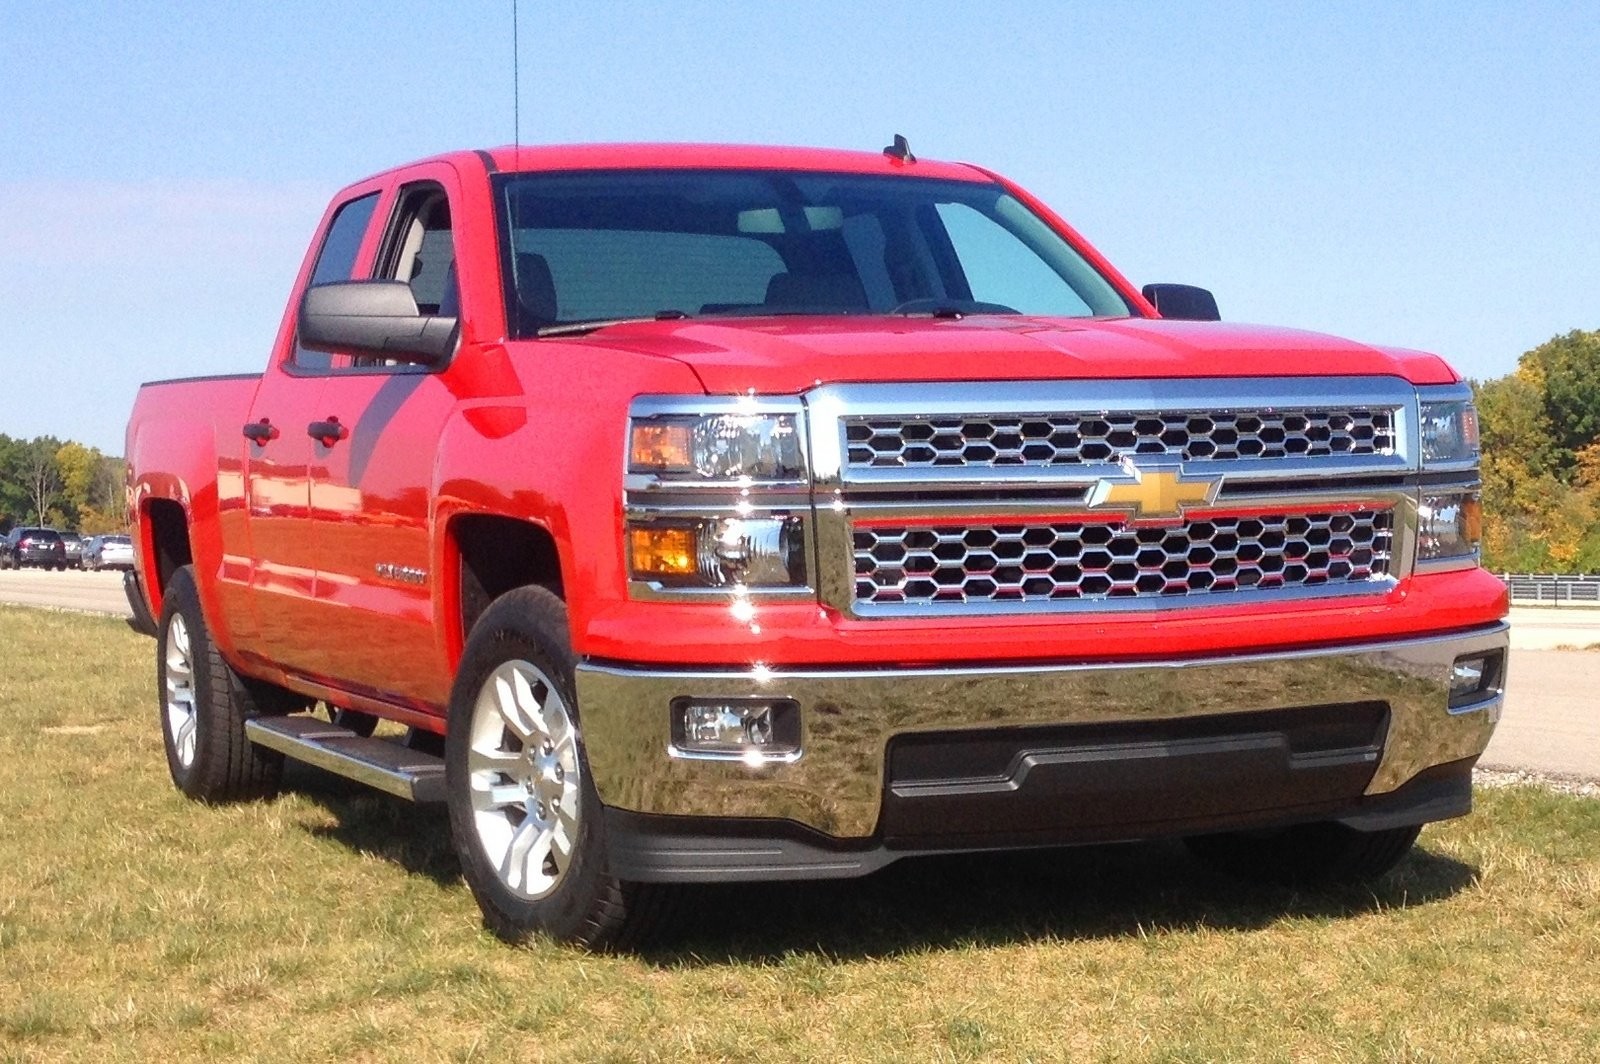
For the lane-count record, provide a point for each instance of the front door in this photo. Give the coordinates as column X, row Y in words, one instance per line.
column 370, row 490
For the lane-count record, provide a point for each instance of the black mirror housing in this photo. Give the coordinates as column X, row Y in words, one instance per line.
column 1183, row 302
column 375, row 318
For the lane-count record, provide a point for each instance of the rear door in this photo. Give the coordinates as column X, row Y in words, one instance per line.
column 281, row 456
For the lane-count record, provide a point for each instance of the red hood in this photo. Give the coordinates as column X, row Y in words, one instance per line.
column 785, row 355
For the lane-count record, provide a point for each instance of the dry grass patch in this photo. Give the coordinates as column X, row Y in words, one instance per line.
column 135, row 925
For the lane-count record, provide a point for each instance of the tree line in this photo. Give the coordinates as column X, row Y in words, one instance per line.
column 65, row 485
column 1540, row 427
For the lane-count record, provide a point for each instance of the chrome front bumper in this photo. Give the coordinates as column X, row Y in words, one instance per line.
column 837, row 786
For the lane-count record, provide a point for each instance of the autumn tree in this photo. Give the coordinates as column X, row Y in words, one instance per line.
column 1541, row 459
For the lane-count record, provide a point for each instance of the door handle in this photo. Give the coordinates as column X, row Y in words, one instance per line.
column 260, row 431
column 327, row 432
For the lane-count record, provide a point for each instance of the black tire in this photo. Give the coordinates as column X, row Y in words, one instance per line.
column 1306, row 854
column 218, row 763
column 586, row 905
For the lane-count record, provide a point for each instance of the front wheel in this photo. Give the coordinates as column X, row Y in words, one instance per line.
column 524, row 815
column 204, row 705
column 1306, row 854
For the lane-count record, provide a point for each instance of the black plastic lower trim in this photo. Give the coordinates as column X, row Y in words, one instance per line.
column 671, row 849
column 141, row 621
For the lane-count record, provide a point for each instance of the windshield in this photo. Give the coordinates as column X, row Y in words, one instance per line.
column 592, row 246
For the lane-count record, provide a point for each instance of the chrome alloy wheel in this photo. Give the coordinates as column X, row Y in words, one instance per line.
column 180, row 707
column 524, row 776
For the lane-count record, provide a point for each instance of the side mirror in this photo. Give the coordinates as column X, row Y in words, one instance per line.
column 375, row 318
column 1184, row 302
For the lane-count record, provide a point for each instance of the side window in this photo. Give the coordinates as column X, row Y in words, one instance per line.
column 1000, row 269
column 420, row 250
column 337, row 261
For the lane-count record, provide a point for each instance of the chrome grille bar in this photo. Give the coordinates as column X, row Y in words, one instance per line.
column 991, row 441
column 931, row 567
column 1026, row 497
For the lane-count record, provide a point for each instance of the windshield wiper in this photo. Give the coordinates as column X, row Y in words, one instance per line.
column 575, row 328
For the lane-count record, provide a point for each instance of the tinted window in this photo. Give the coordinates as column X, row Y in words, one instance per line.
column 596, row 245
column 609, row 273
column 999, row 268
column 337, row 260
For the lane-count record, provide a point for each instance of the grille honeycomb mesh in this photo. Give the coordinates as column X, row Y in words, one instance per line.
column 1066, row 561
column 1084, row 439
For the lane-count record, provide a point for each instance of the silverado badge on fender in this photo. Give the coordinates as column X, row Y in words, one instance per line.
column 1157, row 490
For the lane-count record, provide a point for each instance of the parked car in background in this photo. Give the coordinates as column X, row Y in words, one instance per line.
column 74, row 545
column 33, row 546
column 108, row 552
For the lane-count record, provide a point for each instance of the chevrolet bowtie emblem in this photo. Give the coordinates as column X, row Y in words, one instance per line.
column 1155, row 491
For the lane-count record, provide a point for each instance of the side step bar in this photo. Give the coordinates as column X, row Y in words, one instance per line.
column 383, row 764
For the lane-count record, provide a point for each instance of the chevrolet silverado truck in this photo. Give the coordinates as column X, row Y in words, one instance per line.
column 680, row 514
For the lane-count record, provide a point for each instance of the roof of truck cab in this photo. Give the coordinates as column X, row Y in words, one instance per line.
column 534, row 158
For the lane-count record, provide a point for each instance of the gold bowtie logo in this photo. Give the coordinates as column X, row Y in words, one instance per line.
column 1156, row 491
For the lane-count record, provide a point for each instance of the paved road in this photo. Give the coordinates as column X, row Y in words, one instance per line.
column 72, row 590
column 1552, row 627
column 1551, row 722
column 1552, row 717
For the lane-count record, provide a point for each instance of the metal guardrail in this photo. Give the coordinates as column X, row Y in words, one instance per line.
column 1553, row 589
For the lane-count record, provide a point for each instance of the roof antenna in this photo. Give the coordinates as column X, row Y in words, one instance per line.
column 900, row 149
column 516, row 88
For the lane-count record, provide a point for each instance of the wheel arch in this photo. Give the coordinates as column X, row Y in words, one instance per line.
column 489, row 555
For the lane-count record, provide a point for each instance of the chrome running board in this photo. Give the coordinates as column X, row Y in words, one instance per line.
column 383, row 764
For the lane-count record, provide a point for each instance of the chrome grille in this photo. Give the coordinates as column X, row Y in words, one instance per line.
column 920, row 565
column 1089, row 438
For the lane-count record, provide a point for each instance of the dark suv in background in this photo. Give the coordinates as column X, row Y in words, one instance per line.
column 33, row 546
column 74, row 544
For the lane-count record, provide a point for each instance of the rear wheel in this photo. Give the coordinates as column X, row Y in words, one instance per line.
column 525, row 817
column 1306, row 854
column 204, row 705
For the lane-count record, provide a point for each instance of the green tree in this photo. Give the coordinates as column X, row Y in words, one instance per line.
column 13, row 483
column 43, row 481
column 1569, row 369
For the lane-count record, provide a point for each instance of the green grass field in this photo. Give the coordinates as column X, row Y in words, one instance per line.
column 135, row 925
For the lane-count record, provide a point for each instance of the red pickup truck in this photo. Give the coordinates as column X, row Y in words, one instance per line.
column 704, row 513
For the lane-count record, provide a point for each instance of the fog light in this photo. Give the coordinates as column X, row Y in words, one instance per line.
column 752, row 730
column 1475, row 678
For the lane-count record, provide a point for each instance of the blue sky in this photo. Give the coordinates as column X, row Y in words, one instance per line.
column 1423, row 174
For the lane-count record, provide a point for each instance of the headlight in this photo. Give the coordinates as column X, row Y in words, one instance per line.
column 718, row 447
column 1449, row 432
column 718, row 552
column 1450, row 525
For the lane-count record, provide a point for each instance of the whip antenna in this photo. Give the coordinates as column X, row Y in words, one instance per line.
column 516, row 85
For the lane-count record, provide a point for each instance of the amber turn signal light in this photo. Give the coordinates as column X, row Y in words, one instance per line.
column 659, row 551
column 660, row 446
column 1472, row 518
